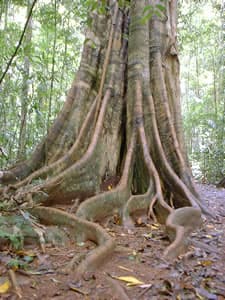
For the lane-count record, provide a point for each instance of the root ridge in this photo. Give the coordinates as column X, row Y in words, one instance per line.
column 83, row 230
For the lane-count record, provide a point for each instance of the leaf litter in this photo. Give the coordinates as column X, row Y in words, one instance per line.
column 137, row 268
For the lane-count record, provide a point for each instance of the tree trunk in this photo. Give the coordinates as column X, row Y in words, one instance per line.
column 120, row 128
column 21, row 154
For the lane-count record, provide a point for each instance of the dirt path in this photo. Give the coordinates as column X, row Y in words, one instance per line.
column 200, row 274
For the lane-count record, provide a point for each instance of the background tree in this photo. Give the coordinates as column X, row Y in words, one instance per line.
column 39, row 52
column 25, row 89
column 202, row 42
column 121, row 119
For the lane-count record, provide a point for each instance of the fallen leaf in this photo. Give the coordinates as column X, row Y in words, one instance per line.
column 130, row 280
column 131, row 257
column 26, row 253
column 41, row 272
column 209, row 236
column 4, row 287
column 147, row 235
column 122, row 234
column 205, row 263
column 77, row 290
column 81, row 244
column 139, row 221
column 28, row 259
column 210, row 226
column 155, row 226
column 55, row 280
column 146, row 286
column 202, row 294
column 126, row 269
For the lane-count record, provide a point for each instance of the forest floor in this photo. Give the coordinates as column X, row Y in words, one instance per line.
column 199, row 274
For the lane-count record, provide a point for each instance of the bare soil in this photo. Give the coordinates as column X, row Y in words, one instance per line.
column 198, row 274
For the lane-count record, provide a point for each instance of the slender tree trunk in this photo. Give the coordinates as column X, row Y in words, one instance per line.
column 65, row 53
column 53, row 68
column 121, row 119
column 25, row 90
column 221, row 93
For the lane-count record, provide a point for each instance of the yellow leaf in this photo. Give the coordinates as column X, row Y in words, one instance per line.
column 26, row 253
column 206, row 263
column 130, row 280
column 209, row 236
column 4, row 287
column 109, row 187
column 154, row 226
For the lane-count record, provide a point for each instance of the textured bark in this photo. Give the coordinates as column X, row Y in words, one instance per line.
column 121, row 119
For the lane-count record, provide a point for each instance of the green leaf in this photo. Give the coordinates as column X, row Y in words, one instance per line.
column 161, row 7
column 146, row 18
column 17, row 264
column 158, row 13
column 124, row 3
column 148, row 7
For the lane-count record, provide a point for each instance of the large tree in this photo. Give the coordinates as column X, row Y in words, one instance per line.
column 117, row 144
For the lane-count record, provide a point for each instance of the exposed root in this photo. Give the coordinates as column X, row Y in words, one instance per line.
column 7, row 176
column 171, row 175
column 147, row 157
column 117, row 289
column 16, row 287
column 66, row 160
column 105, row 204
column 23, row 169
column 151, row 213
column 74, row 262
column 83, row 230
column 136, row 203
column 77, row 168
column 182, row 222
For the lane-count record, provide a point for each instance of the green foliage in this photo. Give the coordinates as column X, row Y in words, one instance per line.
column 15, row 239
column 149, row 11
column 124, row 3
column 202, row 82
column 40, row 54
column 16, row 263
